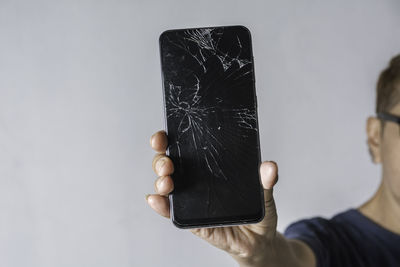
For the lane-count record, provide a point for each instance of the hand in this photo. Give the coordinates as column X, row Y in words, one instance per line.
column 244, row 242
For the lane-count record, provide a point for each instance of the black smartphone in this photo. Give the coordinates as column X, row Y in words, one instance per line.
column 211, row 123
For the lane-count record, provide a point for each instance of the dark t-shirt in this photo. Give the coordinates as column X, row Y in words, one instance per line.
column 349, row 239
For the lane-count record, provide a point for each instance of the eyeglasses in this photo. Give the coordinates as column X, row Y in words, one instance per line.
column 389, row 117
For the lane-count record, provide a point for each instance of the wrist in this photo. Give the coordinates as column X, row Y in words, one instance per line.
column 276, row 252
column 261, row 255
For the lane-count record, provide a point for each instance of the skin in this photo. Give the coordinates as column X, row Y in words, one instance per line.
column 384, row 206
column 261, row 244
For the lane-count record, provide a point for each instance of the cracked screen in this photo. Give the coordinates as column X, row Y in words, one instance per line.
column 211, row 124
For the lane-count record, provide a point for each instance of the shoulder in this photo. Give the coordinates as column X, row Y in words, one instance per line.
column 347, row 239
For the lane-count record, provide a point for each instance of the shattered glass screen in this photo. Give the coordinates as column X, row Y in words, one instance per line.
column 211, row 123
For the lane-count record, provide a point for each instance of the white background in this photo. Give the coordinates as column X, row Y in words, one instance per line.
column 81, row 94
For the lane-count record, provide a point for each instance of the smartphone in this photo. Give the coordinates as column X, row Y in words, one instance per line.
column 211, row 121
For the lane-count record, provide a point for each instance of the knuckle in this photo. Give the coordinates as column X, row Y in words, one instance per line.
column 161, row 185
column 269, row 202
column 156, row 158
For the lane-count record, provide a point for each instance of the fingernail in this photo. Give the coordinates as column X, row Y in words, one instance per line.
column 147, row 196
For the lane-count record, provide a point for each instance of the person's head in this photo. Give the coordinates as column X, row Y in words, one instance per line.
column 384, row 136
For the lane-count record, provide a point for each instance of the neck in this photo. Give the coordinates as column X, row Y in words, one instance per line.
column 383, row 208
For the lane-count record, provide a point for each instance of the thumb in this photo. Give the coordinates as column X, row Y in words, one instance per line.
column 269, row 177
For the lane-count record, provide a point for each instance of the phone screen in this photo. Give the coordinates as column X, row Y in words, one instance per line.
column 212, row 126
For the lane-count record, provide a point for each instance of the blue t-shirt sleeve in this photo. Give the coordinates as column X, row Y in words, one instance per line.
column 347, row 240
column 319, row 234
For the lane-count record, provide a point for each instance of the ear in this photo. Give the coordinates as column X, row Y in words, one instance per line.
column 374, row 138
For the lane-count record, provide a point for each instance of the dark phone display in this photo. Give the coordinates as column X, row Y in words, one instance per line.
column 212, row 126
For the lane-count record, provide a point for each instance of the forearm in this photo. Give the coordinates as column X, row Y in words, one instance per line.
column 279, row 253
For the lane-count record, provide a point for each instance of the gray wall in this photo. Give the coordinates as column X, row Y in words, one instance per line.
column 80, row 95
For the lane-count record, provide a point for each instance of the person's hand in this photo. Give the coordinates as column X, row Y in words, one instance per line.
column 246, row 243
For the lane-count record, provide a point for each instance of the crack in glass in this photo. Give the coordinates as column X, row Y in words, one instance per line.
column 189, row 110
column 207, row 45
column 211, row 121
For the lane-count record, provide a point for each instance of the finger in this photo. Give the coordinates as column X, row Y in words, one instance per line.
column 164, row 185
column 269, row 174
column 162, row 165
column 269, row 177
column 159, row 203
column 205, row 233
column 220, row 237
column 159, row 141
